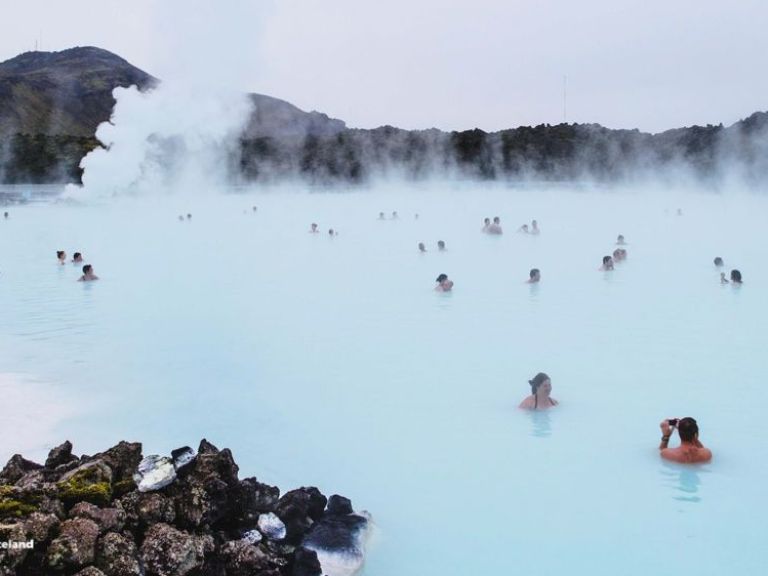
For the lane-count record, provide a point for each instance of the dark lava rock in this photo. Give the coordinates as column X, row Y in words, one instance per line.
column 40, row 527
column 167, row 551
column 61, row 455
column 117, row 555
column 75, row 546
column 90, row 482
column 10, row 557
column 299, row 509
column 90, row 571
column 182, row 457
column 250, row 499
column 202, row 490
column 107, row 519
column 305, row 563
column 123, row 459
column 88, row 515
column 16, row 468
column 338, row 505
column 144, row 509
column 240, row 558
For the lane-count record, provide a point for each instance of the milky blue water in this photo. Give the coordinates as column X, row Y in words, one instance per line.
column 332, row 362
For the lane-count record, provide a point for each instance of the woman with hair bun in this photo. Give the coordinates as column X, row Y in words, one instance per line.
column 540, row 399
column 443, row 283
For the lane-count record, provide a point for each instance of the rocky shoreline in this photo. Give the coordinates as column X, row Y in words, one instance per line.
column 118, row 513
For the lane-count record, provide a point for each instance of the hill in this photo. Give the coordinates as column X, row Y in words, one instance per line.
column 51, row 104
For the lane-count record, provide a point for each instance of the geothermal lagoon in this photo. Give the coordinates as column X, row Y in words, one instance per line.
column 332, row 362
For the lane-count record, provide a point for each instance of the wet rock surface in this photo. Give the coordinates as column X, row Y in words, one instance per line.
column 117, row 513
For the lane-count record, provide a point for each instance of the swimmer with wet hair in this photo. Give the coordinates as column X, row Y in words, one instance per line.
column 332, row 232
column 5, row 215
column 441, row 245
column 607, row 264
column 619, row 254
column 88, row 274
column 181, row 218
column 189, row 216
column 486, row 225
column 443, row 283
column 735, row 276
column 313, row 228
column 495, row 228
column 77, row 258
column 718, row 261
column 394, row 215
column 255, row 208
column 534, row 227
column 381, row 216
column 691, row 450
column 422, row 248
column 620, row 240
column 62, row 256
column 534, row 276
column 524, row 229
column 723, row 279
column 540, row 398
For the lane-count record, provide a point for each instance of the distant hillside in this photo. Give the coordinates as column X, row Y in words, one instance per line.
column 66, row 93
column 51, row 104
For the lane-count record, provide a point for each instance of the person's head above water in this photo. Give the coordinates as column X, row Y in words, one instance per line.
column 540, row 398
column 443, row 283
column 607, row 263
column 486, row 220
column 496, row 220
column 736, row 276
column 620, row 239
column 313, row 227
column 381, row 215
column 422, row 248
column 77, row 257
column 534, row 275
column 540, row 381
column 718, row 261
column 87, row 269
column 440, row 245
column 61, row 255
column 688, row 429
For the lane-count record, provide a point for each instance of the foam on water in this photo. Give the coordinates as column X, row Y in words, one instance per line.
column 331, row 362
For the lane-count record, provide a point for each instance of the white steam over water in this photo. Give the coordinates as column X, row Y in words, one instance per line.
column 176, row 136
column 331, row 362
column 184, row 134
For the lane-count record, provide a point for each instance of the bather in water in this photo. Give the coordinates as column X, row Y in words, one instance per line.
column 607, row 264
column 540, row 399
column 443, row 283
column 88, row 274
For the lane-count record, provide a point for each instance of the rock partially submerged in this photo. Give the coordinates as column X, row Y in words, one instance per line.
column 118, row 514
column 338, row 538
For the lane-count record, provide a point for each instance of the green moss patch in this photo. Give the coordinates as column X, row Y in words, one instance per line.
column 84, row 487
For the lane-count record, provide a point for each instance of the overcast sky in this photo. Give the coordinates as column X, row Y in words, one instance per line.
column 451, row 64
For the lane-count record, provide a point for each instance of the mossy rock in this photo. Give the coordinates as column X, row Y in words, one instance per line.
column 85, row 485
column 122, row 488
column 9, row 507
column 14, row 502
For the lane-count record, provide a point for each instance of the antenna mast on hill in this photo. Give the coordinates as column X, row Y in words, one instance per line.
column 565, row 99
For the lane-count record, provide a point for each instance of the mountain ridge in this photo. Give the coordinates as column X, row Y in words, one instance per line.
column 52, row 102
